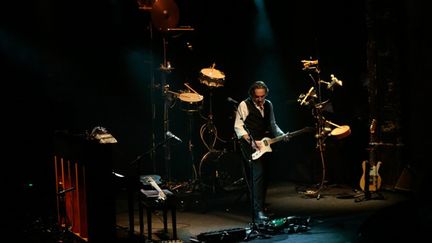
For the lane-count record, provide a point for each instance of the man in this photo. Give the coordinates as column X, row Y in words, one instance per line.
column 255, row 120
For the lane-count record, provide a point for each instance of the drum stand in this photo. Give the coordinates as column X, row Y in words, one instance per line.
column 210, row 127
column 321, row 133
column 212, row 78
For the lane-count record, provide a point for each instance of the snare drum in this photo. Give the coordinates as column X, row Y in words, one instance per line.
column 212, row 77
column 190, row 102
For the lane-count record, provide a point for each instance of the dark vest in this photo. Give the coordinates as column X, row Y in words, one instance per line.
column 258, row 126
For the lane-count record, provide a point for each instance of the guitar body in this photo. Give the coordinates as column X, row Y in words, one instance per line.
column 265, row 147
column 266, row 142
column 374, row 177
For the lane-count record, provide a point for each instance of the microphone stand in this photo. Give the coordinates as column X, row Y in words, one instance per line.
column 133, row 182
column 254, row 232
column 151, row 150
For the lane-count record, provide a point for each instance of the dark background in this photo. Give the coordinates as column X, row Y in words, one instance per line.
column 71, row 66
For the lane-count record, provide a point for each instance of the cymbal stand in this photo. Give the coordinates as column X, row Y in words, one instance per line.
column 191, row 146
column 165, row 69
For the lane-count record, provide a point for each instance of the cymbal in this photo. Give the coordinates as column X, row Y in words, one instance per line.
column 164, row 14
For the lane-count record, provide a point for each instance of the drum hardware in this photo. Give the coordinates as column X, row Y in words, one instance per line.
column 310, row 65
column 211, row 129
column 323, row 127
column 333, row 81
column 164, row 16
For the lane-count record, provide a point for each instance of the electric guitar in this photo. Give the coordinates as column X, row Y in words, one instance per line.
column 266, row 142
column 150, row 180
column 374, row 177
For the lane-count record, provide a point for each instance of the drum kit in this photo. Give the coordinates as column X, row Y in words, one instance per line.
column 165, row 19
column 219, row 169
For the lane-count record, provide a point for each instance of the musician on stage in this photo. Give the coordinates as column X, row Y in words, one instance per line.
column 255, row 120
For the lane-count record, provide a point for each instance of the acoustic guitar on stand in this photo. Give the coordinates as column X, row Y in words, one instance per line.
column 266, row 142
column 374, row 177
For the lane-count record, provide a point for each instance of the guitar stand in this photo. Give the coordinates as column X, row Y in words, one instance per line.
column 369, row 196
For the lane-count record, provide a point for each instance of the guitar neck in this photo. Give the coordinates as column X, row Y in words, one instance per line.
column 277, row 139
column 155, row 186
column 290, row 134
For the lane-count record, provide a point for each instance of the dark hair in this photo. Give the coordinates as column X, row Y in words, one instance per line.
column 257, row 85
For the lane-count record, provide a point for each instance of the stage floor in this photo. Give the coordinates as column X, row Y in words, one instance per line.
column 339, row 214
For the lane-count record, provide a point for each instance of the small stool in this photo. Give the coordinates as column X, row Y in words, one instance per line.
column 149, row 200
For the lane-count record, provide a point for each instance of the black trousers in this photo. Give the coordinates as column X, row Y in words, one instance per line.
column 258, row 177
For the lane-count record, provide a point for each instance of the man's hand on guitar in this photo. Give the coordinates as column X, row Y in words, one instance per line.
column 256, row 145
column 286, row 137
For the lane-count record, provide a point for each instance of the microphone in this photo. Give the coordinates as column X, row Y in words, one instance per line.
column 229, row 99
column 171, row 135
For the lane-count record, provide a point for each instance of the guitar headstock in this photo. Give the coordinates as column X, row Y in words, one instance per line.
column 372, row 130
column 373, row 125
column 149, row 179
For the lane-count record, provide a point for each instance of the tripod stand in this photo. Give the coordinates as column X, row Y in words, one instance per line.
column 212, row 78
column 210, row 127
column 254, row 230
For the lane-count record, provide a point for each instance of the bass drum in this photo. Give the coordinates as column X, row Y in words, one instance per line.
column 222, row 171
